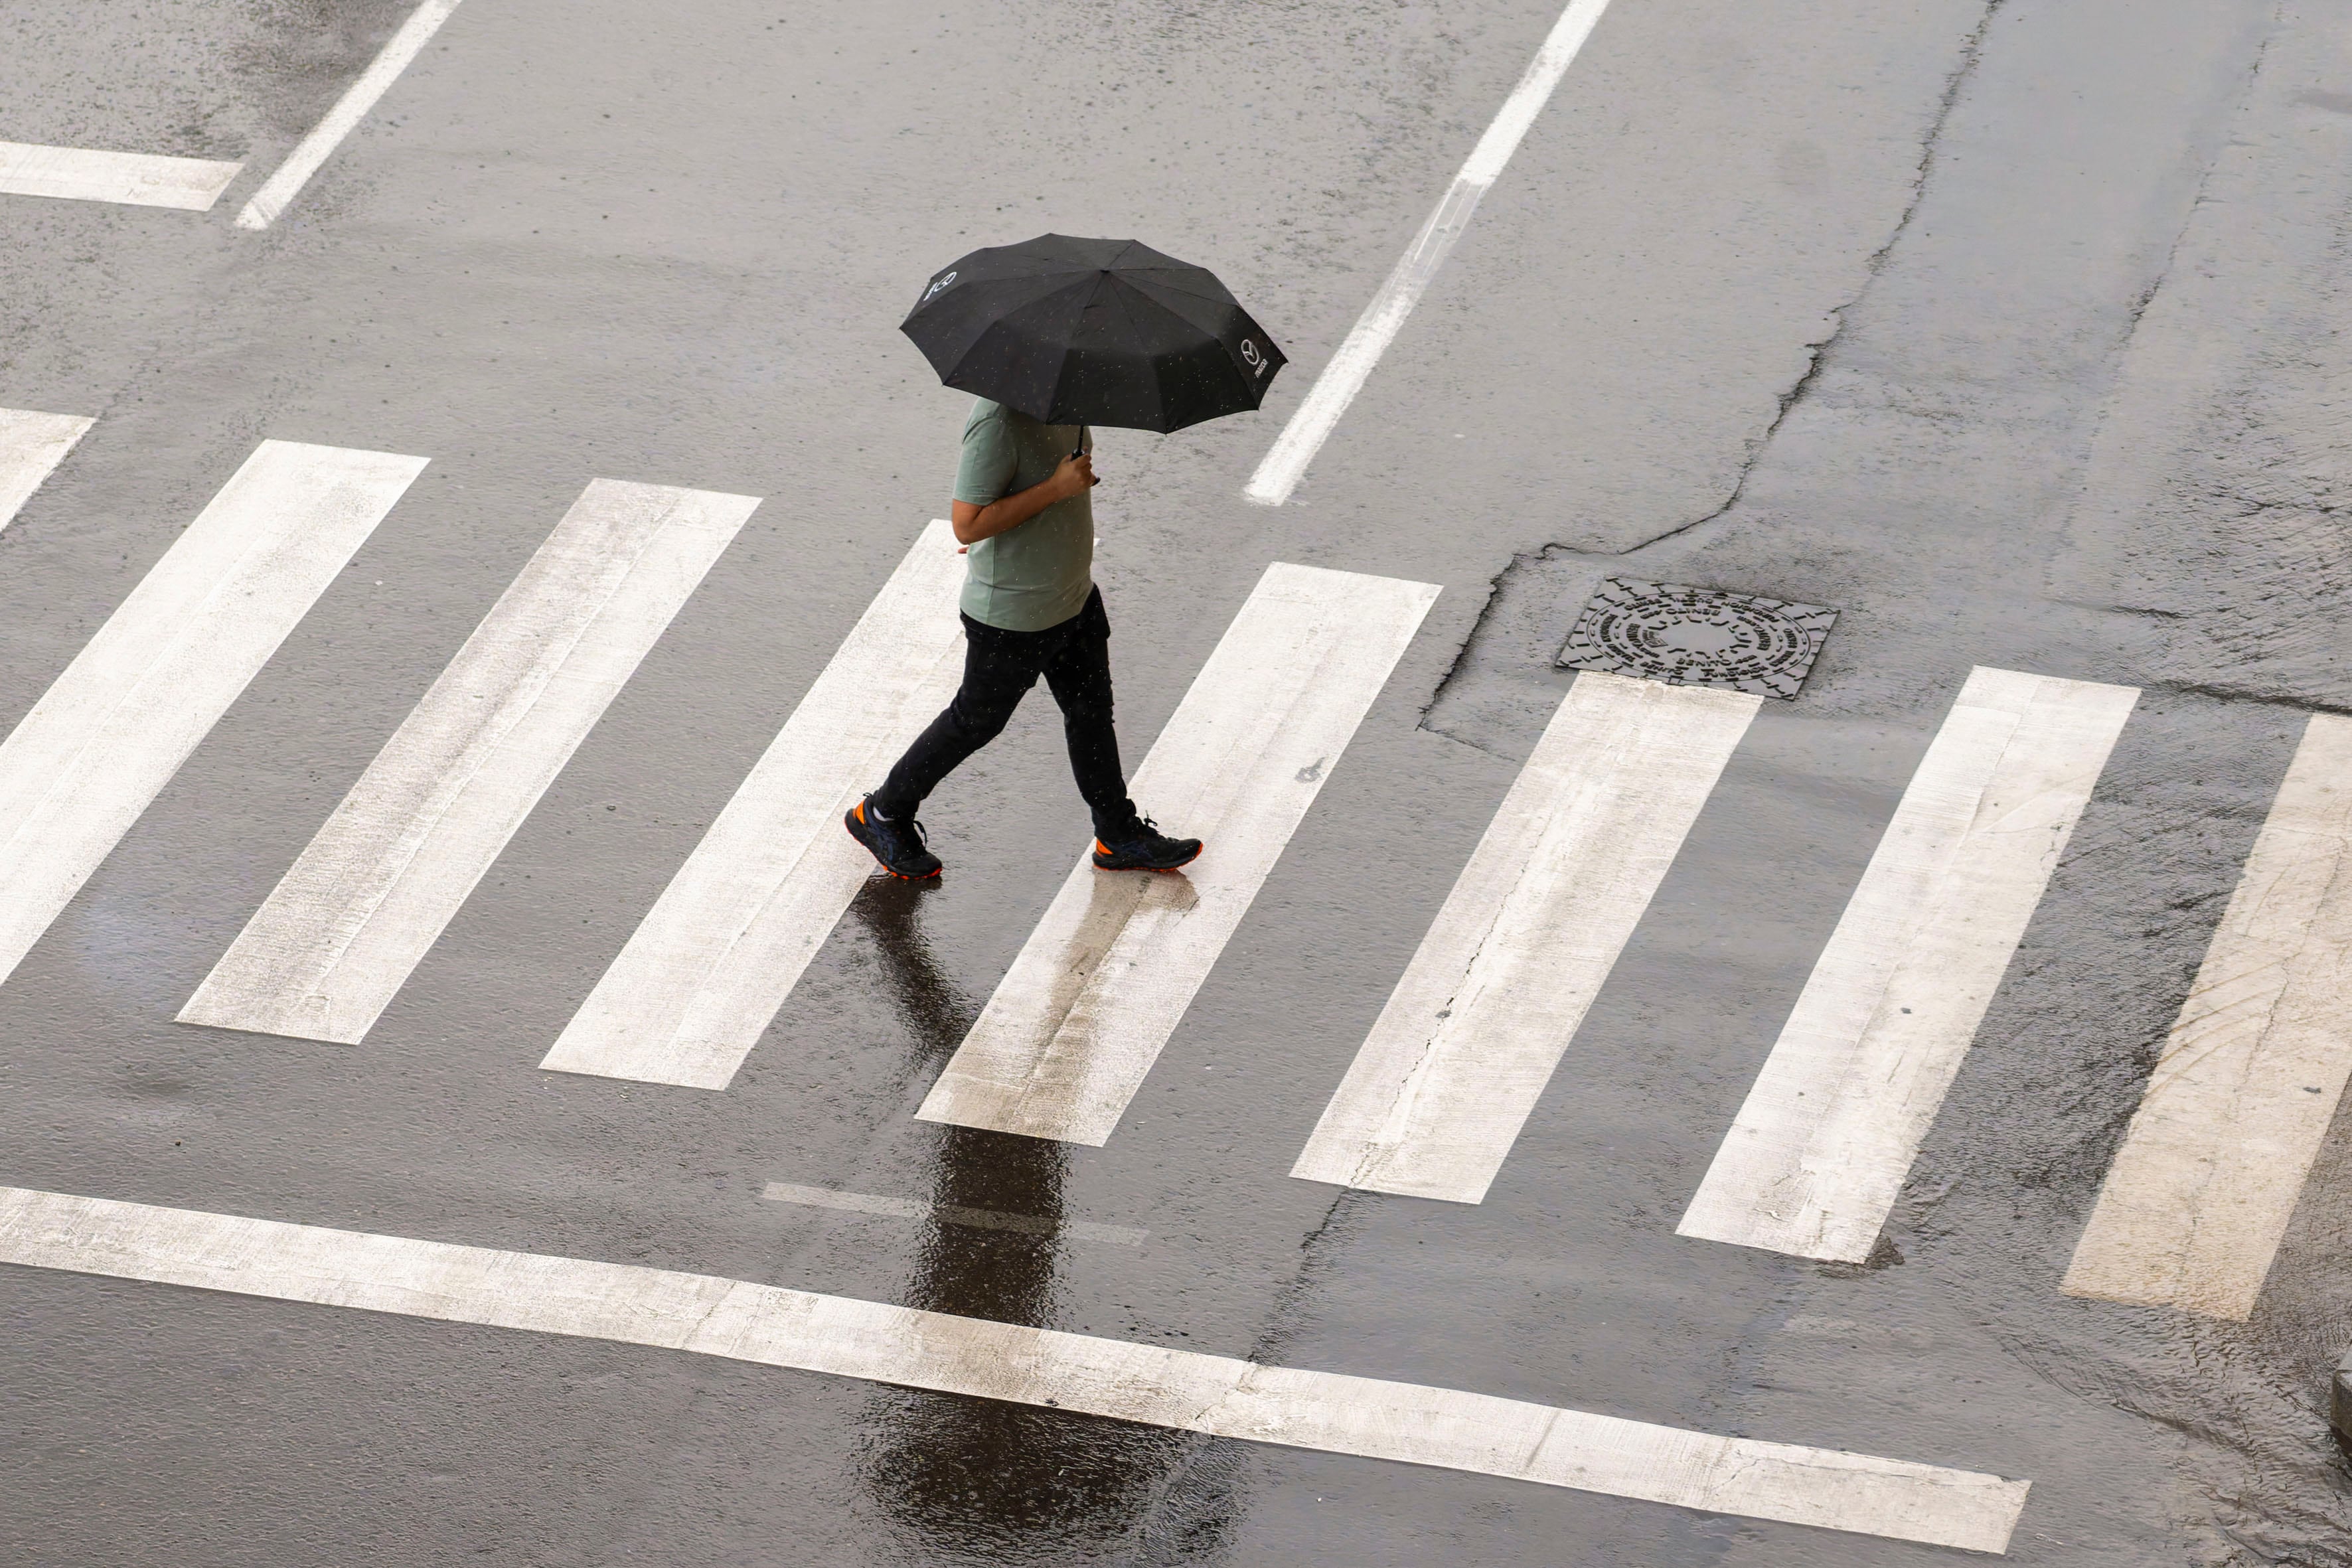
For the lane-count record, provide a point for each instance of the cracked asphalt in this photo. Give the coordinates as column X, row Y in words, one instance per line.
column 2020, row 332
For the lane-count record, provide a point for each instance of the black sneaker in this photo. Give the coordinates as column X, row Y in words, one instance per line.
column 898, row 844
column 1148, row 851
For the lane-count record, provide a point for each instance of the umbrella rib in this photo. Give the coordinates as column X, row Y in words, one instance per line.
column 1226, row 313
column 1075, row 319
column 1062, row 371
column 1225, row 355
column 1159, row 403
column 1148, row 276
column 1011, row 338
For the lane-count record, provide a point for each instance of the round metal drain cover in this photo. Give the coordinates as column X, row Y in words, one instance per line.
column 1698, row 636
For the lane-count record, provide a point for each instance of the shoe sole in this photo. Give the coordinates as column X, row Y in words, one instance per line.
column 1102, row 865
column 855, row 815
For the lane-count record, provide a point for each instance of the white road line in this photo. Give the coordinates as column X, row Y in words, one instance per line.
column 699, row 980
column 32, row 446
column 1279, row 473
column 841, row 1336
column 954, row 1214
column 1818, row 1153
column 134, row 179
column 103, row 741
column 283, row 186
column 1470, row 1037
column 384, row 876
column 1100, row 985
column 2214, row 1162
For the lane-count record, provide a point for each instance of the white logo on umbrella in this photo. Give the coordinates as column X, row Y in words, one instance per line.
column 942, row 281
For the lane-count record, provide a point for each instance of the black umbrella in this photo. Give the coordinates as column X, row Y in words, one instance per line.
column 1094, row 331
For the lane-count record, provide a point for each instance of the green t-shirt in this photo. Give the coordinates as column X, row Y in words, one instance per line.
column 1038, row 575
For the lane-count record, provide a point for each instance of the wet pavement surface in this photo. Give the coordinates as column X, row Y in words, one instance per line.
column 2018, row 333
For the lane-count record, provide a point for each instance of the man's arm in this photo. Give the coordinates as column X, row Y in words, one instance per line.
column 974, row 523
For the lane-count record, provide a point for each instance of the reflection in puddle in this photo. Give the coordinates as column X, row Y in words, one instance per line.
column 977, row 1481
column 1123, row 912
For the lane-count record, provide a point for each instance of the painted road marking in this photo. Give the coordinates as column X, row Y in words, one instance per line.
column 1279, row 473
column 384, row 876
column 843, row 1337
column 31, row 446
column 1457, row 1059
column 1818, row 1153
column 134, row 179
column 2233, row 1116
column 954, row 1214
column 278, row 191
column 102, row 741
column 1065, row 1041
column 699, row 980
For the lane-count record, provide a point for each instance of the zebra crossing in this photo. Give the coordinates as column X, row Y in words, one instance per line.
column 324, row 956
column 1453, row 1068
column 1438, row 1094
column 1490, row 1003
column 1067, row 1040
column 1819, row 1153
column 704, row 973
column 2197, row 1200
column 103, row 741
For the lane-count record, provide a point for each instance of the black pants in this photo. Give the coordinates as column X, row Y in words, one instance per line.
column 999, row 669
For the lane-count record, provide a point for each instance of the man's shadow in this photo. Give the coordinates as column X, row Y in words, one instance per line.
column 982, row 1478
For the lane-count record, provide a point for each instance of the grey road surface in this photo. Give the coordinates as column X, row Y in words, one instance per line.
column 2021, row 332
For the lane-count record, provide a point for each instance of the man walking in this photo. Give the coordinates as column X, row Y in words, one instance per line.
column 1030, row 606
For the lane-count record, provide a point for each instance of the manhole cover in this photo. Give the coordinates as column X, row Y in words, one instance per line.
column 1698, row 636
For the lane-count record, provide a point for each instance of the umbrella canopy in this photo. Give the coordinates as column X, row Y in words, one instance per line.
column 1094, row 331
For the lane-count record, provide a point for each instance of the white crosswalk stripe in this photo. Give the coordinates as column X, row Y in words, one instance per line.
column 1068, row 1037
column 1818, row 1153
column 2235, row 1112
column 1457, row 1059
column 688, row 996
column 31, row 446
column 133, row 179
column 387, row 873
column 1384, row 316
column 843, row 1337
column 106, row 737
column 286, row 182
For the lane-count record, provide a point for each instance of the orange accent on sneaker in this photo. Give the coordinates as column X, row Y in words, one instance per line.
column 1101, row 848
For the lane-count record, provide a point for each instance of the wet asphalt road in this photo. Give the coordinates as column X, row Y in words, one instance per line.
column 2018, row 332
